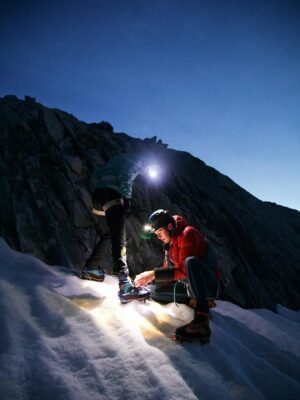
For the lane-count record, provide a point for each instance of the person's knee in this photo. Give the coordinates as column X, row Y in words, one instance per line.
column 194, row 274
column 191, row 262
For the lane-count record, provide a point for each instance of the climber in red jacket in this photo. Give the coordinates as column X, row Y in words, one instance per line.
column 189, row 272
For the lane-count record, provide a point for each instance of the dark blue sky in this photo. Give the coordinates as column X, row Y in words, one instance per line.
column 220, row 79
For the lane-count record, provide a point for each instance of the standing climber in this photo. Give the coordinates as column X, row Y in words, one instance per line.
column 112, row 191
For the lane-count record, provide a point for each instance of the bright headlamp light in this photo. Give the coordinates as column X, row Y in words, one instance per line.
column 148, row 228
column 153, row 171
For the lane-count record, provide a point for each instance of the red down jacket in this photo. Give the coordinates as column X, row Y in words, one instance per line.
column 185, row 242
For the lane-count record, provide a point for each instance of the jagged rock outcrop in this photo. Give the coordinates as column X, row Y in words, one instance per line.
column 47, row 156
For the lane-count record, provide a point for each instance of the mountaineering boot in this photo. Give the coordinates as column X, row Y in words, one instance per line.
column 128, row 292
column 92, row 274
column 198, row 329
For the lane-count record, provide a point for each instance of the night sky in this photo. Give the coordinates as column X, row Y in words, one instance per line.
column 219, row 79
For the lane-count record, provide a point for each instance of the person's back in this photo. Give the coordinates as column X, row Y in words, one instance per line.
column 118, row 173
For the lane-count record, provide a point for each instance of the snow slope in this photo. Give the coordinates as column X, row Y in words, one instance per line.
column 64, row 338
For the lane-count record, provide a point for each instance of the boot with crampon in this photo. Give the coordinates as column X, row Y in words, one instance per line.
column 128, row 292
column 198, row 329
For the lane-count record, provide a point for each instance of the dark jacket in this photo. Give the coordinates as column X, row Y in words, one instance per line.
column 119, row 174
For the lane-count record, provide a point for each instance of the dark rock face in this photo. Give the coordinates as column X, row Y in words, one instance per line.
column 45, row 204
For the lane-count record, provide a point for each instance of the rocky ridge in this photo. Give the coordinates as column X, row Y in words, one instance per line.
column 47, row 156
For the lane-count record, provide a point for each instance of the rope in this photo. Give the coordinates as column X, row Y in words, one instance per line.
column 174, row 291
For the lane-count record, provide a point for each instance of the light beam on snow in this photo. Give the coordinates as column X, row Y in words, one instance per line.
column 145, row 320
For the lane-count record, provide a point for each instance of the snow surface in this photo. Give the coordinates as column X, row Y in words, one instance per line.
column 64, row 338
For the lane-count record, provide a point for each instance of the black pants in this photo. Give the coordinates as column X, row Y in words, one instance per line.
column 167, row 292
column 201, row 283
column 116, row 222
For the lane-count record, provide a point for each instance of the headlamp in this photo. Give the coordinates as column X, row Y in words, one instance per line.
column 148, row 232
column 152, row 171
column 148, row 228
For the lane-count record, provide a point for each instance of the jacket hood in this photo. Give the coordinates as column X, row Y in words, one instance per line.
column 180, row 224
